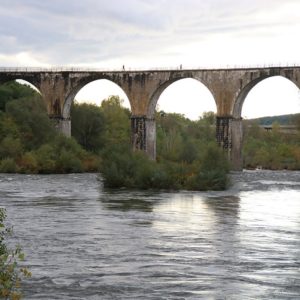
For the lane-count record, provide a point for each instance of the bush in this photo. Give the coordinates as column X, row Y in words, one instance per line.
column 46, row 156
column 68, row 163
column 118, row 167
column 213, row 171
column 28, row 163
column 10, row 273
column 8, row 165
column 208, row 180
column 135, row 170
column 91, row 163
column 30, row 115
column 11, row 147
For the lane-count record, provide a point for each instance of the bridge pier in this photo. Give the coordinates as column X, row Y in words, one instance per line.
column 151, row 138
column 143, row 135
column 223, row 132
column 237, row 143
column 62, row 125
column 229, row 134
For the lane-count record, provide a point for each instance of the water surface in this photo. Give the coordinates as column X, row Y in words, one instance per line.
column 84, row 242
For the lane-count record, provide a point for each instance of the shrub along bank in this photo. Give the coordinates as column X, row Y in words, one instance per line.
column 272, row 149
column 124, row 168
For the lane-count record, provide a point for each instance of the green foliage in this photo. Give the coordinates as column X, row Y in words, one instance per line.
column 208, row 118
column 212, row 173
column 282, row 120
column 28, row 163
column 10, row 273
column 31, row 118
column 8, row 127
column 11, row 147
column 296, row 120
column 272, row 149
column 132, row 170
column 29, row 142
column 12, row 91
column 45, row 157
column 117, row 122
column 8, row 165
column 88, row 126
column 68, row 162
column 95, row 128
column 123, row 168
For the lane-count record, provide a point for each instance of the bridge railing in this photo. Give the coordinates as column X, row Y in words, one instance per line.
column 132, row 69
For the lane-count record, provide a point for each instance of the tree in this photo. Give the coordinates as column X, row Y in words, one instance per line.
column 10, row 273
column 117, row 121
column 30, row 116
column 208, row 117
column 88, row 125
column 13, row 90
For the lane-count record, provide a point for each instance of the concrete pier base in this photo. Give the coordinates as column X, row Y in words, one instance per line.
column 237, row 143
column 62, row 125
column 143, row 135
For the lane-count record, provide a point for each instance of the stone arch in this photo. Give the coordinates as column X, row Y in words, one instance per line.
column 162, row 87
column 242, row 95
column 150, row 135
column 236, row 126
column 81, row 84
column 32, row 83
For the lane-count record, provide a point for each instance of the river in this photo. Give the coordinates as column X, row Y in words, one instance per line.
column 84, row 242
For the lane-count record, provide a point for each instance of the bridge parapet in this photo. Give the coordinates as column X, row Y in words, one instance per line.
column 55, row 69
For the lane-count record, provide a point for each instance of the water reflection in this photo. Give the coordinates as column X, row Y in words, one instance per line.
column 278, row 208
column 125, row 200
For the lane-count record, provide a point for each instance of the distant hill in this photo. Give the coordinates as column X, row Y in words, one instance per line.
column 282, row 119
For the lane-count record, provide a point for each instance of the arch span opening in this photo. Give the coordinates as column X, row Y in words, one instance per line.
column 97, row 91
column 188, row 97
column 100, row 116
column 185, row 121
column 270, row 127
column 272, row 96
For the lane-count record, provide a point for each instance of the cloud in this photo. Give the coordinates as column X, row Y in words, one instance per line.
column 99, row 31
column 21, row 59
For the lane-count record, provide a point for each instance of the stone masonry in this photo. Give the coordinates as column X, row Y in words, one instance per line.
column 229, row 88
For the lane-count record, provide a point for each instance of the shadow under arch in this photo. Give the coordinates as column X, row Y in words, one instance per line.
column 158, row 92
column 80, row 85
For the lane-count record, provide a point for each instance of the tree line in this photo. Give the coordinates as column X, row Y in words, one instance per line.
column 272, row 149
column 101, row 138
column 29, row 142
column 101, row 142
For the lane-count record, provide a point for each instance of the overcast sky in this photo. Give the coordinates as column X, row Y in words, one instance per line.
column 146, row 34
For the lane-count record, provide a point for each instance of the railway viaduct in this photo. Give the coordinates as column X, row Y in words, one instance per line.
column 143, row 88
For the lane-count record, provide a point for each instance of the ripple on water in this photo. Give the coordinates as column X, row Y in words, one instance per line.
column 83, row 242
